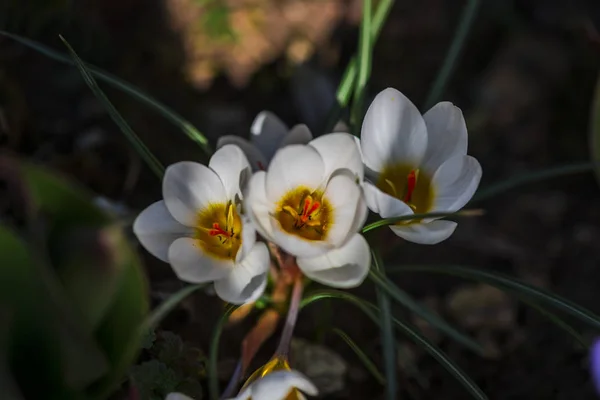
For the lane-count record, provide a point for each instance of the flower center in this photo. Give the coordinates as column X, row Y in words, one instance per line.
column 304, row 213
column 411, row 185
column 219, row 230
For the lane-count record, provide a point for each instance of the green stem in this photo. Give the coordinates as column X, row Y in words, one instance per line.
column 466, row 20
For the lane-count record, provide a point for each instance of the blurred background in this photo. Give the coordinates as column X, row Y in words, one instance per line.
column 525, row 82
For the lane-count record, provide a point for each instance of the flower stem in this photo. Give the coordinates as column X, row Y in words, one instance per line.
column 233, row 382
column 292, row 316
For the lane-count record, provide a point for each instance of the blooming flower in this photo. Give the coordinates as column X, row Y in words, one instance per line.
column 267, row 134
column 198, row 228
column 309, row 203
column 417, row 164
column 273, row 381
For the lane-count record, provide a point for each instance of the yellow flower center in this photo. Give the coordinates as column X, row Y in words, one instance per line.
column 411, row 185
column 219, row 230
column 277, row 363
column 305, row 213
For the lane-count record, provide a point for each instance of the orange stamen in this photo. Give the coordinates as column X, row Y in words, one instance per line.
column 410, row 185
column 309, row 208
column 260, row 166
column 218, row 231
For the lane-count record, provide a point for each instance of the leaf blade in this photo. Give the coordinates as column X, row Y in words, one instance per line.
column 414, row 306
column 503, row 282
column 137, row 143
column 186, row 127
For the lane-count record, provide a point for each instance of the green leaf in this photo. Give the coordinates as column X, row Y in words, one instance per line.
column 556, row 320
column 167, row 306
column 369, row 365
column 504, row 282
column 404, row 298
column 388, row 341
column 412, row 333
column 137, row 143
column 404, row 218
column 528, row 179
column 594, row 135
column 119, row 334
column 347, row 83
column 66, row 204
column 213, row 378
column 466, row 20
column 131, row 90
column 365, row 50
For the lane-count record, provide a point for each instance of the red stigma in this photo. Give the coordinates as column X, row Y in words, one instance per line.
column 309, row 208
column 216, row 230
column 410, row 185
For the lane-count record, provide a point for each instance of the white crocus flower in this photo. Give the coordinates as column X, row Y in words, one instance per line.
column 267, row 134
column 417, row 164
column 198, row 228
column 277, row 385
column 310, row 204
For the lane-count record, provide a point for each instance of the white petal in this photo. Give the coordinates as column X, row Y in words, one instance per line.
column 277, row 385
column 191, row 264
column 393, row 131
column 344, row 267
column 156, row 229
column 188, row 188
column 299, row 134
column 255, row 157
column 341, row 126
column 259, row 208
column 446, row 135
column 293, row 166
column 344, row 195
column 177, row 396
column 383, row 204
column 455, row 182
column 248, row 238
column 248, row 279
column 267, row 132
column 339, row 151
column 425, row 233
column 296, row 245
column 362, row 212
column 232, row 167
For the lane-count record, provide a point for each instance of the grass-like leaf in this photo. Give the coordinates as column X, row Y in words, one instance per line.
column 405, row 299
column 369, row 365
column 556, row 320
column 346, row 86
column 141, row 148
column 213, row 355
column 176, row 119
column 160, row 312
column 365, row 50
column 466, row 20
column 412, row 333
column 388, row 341
column 506, row 282
column 595, row 130
column 527, row 179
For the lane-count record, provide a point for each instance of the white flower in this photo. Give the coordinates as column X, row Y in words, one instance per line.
column 278, row 385
column 310, row 204
column 417, row 164
column 267, row 134
column 200, row 231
